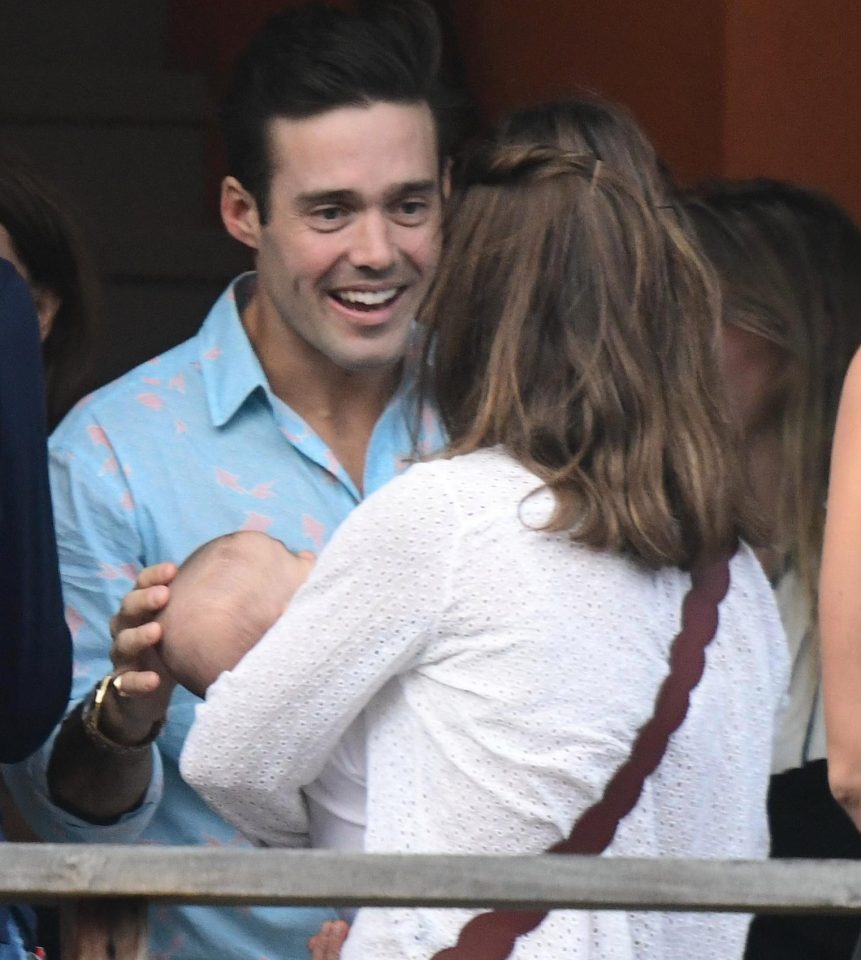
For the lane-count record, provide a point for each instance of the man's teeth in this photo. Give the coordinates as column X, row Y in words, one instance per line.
column 367, row 298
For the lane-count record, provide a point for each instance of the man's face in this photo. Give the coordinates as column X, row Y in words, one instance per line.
column 353, row 232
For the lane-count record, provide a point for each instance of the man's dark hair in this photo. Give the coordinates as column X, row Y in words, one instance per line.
column 310, row 59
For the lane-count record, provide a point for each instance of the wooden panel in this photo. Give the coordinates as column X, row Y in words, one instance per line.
column 192, row 875
column 663, row 59
column 793, row 80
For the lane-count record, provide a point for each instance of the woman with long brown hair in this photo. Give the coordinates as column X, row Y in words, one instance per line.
column 789, row 261
column 40, row 237
column 503, row 615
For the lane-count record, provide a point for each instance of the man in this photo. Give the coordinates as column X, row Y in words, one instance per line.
column 288, row 407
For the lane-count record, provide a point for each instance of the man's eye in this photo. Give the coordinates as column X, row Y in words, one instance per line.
column 329, row 218
column 412, row 211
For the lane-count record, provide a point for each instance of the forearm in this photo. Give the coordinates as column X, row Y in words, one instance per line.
column 840, row 603
column 94, row 783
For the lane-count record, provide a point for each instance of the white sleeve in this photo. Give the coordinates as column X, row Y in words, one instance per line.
column 370, row 605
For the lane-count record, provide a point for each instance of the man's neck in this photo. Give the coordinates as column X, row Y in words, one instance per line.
column 342, row 406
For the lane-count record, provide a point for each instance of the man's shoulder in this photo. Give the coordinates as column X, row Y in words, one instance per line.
column 146, row 386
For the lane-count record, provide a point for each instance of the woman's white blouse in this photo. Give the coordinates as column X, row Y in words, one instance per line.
column 505, row 673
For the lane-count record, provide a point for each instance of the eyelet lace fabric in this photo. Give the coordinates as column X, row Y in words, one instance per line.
column 504, row 673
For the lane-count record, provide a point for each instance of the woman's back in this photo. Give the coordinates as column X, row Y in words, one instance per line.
column 541, row 661
column 508, row 648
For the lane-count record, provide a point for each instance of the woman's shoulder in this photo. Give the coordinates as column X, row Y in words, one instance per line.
column 491, row 468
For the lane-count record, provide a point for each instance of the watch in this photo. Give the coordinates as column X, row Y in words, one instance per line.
column 92, row 711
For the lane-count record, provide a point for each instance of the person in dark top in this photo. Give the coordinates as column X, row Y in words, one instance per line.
column 36, row 660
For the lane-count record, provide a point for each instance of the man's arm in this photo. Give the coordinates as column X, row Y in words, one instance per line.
column 840, row 602
column 101, row 768
column 82, row 780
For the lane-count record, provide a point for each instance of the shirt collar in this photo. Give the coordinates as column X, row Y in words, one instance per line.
column 230, row 368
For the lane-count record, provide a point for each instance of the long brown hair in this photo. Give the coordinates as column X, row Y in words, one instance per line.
column 588, row 124
column 576, row 326
column 49, row 245
column 789, row 262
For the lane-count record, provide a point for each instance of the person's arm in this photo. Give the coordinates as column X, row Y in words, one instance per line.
column 80, row 786
column 37, row 660
column 840, row 602
column 100, row 779
column 365, row 614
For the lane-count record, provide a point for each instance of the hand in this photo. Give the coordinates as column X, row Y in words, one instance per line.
column 326, row 945
column 144, row 689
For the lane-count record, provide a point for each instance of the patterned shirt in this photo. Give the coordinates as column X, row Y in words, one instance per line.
column 191, row 445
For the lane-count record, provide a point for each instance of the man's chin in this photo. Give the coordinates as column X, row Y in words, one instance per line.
column 370, row 363
column 370, row 356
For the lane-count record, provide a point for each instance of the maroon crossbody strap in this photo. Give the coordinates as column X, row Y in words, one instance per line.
column 492, row 935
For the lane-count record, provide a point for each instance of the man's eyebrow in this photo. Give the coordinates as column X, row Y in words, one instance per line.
column 414, row 186
column 350, row 198
column 322, row 197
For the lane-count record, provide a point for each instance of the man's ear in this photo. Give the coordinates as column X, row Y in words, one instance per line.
column 239, row 213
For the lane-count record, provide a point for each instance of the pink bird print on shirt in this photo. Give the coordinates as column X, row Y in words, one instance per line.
column 226, row 479
column 74, row 621
column 152, row 381
column 313, row 530
column 151, row 400
column 257, row 521
column 110, row 466
column 107, row 571
column 213, row 353
column 98, row 436
column 177, row 383
column 263, row 491
column 181, row 426
column 127, row 501
column 234, row 840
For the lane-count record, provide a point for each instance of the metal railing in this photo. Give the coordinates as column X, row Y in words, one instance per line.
column 104, row 890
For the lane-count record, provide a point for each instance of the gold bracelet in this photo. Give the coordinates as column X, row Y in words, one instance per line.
column 92, row 712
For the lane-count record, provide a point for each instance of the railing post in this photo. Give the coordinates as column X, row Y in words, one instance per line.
column 104, row 929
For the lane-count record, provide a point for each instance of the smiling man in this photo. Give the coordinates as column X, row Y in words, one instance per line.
column 291, row 404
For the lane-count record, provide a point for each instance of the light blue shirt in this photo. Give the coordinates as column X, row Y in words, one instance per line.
column 191, row 445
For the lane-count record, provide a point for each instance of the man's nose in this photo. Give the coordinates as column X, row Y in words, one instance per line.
column 372, row 246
